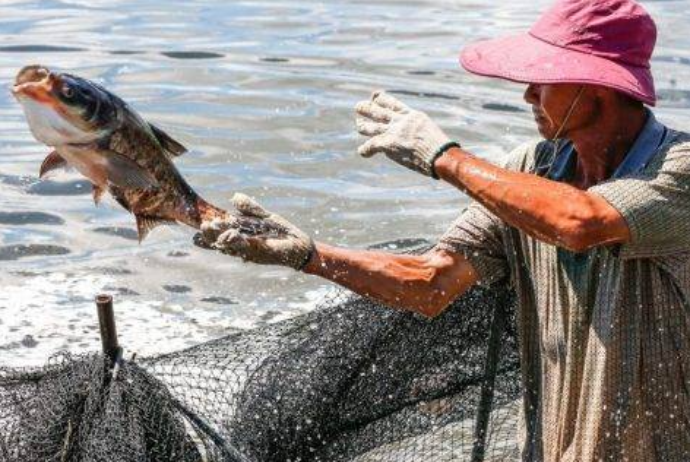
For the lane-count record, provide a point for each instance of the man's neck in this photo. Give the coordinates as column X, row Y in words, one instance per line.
column 602, row 147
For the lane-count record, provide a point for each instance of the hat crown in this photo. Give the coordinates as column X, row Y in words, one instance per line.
column 619, row 30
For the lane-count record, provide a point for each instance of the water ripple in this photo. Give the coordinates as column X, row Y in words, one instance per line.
column 263, row 94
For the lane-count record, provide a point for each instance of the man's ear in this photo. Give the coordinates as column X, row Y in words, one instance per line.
column 606, row 95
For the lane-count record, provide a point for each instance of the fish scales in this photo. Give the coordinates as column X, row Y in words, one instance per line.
column 172, row 196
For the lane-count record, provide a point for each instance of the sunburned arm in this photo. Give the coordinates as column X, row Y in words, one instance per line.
column 425, row 284
column 551, row 211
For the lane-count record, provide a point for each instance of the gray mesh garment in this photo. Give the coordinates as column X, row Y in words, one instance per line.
column 604, row 334
column 350, row 381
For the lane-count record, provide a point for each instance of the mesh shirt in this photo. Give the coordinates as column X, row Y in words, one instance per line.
column 605, row 334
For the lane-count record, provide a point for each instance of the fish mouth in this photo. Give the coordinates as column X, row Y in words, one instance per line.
column 35, row 82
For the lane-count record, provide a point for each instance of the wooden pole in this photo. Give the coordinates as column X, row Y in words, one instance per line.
column 106, row 320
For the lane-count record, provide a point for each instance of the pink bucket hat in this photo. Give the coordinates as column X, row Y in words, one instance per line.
column 598, row 42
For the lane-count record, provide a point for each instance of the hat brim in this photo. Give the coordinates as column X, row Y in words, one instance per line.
column 527, row 59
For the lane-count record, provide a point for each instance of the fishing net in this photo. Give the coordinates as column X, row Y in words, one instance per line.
column 351, row 380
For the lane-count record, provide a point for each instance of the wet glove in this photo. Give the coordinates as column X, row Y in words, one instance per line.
column 278, row 242
column 404, row 135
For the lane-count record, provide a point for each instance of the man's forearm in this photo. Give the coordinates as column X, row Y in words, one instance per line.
column 425, row 283
column 554, row 212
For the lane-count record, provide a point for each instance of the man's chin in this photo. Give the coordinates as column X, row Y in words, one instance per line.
column 545, row 131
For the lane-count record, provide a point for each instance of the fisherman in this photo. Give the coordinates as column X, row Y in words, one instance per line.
column 590, row 225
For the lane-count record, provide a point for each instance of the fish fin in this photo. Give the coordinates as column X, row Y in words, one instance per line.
column 119, row 197
column 122, row 171
column 97, row 193
column 172, row 147
column 146, row 223
column 53, row 161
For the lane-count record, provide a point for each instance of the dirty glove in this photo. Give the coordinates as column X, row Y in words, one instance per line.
column 404, row 135
column 258, row 236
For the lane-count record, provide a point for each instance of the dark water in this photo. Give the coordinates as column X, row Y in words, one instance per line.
column 262, row 93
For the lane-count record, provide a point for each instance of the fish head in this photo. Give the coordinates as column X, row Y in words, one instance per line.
column 64, row 109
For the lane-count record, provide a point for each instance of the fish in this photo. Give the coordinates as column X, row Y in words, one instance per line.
column 103, row 138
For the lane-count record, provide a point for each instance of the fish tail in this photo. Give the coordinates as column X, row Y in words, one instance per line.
column 208, row 212
column 194, row 210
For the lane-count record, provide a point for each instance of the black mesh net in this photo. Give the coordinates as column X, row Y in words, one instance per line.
column 350, row 381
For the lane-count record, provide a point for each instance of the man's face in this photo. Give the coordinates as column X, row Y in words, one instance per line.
column 551, row 104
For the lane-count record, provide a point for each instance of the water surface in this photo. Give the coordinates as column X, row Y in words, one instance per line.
column 262, row 93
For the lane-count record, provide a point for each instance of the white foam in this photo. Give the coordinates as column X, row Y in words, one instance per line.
column 45, row 313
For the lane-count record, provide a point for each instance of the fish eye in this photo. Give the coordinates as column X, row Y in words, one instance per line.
column 67, row 90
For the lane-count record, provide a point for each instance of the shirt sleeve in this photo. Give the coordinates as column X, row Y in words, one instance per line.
column 478, row 235
column 655, row 204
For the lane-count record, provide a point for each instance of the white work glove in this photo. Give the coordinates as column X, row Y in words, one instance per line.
column 404, row 135
column 258, row 236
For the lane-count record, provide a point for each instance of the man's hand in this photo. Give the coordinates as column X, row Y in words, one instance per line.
column 404, row 135
column 279, row 242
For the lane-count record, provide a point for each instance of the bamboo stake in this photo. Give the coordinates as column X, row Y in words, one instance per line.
column 106, row 321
